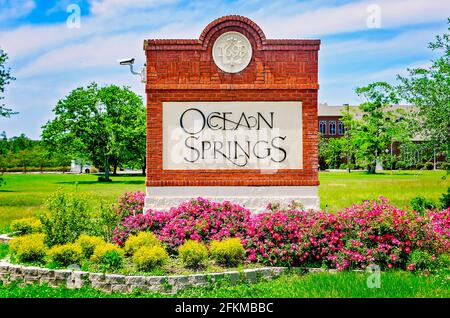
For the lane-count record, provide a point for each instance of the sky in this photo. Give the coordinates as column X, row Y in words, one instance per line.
column 57, row 46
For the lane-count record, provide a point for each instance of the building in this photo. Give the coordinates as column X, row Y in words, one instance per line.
column 329, row 117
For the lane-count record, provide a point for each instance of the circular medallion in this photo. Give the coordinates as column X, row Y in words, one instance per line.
column 232, row 52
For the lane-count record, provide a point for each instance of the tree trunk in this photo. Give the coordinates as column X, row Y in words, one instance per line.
column 144, row 166
column 106, row 168
column 115, row 168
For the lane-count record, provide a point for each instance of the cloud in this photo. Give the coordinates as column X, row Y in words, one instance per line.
column 13, row 9
column 49, row 60
column 96, row 52
column 112, row 7
column 351, row 17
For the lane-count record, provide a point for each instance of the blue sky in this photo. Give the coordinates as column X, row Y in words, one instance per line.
column 49, row 59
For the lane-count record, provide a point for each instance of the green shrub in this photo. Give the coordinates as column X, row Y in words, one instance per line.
column 104, row 223
column 135, row 242
column 421, row 204
column 66, row 254
column 401, row 165
column 229, row 252
column 445, row 199
column 68, row 217
column 26, row 226
column 423, row 260
column 29, row 248
column 148, row 257
column 88, row 244
column 108, row 256
column 193, row 253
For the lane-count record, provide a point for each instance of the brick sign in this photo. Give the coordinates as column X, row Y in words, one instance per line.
column 232, row 116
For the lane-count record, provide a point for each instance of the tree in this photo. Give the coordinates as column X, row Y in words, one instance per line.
column 379, row 126
column 99, row 124
column 347, row 144
column 429, row 89
column 5, row 79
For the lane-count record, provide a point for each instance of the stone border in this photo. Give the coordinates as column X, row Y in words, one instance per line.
column 4, row 238
column 74, row 279
column 124, row 284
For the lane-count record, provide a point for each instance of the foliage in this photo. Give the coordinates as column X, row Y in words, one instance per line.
column 131, row 203
column 228, row 252
column 373, row 232
column 67, row 254
column 108, row 256
column 445, row 199
column 104, row 124
column 22, row 154
column 135, row 242
column 4, row 250
column 379, row 126
column 88, row 244
column 26, row 226
column 421, row 204
column 199, row 220
column 331, row 152
column 104, row 223
column 421, row 260
column 5, row 79
column 148, row 257
column 203, row 220
column 429, row 89
column 193, row 253
column 153, row 221
column 68, row 217
column 29, row 248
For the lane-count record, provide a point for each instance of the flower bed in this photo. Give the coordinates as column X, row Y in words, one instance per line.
column 204, row 236
column 373, row 232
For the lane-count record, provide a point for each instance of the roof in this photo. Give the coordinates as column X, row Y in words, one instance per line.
column 329, row 110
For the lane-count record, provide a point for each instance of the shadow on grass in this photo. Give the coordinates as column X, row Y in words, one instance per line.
column 100, row 182
column 8, row 191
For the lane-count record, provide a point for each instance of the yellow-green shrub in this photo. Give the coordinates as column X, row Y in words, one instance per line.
column 193, row 253
column 108, row 256
column 148, row 257
column 29, row 248
column 26, row 226
column 135, row 242
column 228, row 252
column 88, row 243
column 66, row 254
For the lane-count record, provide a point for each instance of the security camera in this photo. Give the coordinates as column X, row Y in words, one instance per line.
column 129, row 61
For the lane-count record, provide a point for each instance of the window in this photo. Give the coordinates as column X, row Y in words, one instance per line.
column 341, row 128
column 332, row 128
column 322, row 127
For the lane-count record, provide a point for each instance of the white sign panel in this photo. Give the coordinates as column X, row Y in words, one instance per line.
column 232, row 135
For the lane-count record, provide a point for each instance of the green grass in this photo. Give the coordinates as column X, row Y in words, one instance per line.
column 313, row 285
column 23, row 195
column 341, row 189
column 4, row 250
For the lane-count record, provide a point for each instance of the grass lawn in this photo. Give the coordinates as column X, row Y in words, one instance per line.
column 313, row 285
column 23, row 195
column 341, row 189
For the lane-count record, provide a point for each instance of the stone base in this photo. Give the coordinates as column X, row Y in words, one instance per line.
column 253, row 198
